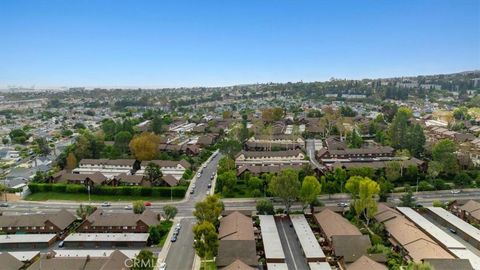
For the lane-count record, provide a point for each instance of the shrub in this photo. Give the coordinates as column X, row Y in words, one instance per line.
column 376, row 239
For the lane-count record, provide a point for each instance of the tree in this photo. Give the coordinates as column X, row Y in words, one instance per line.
column 18, row 136
column 462, row 179
column 419, row 266
column 416, row 140
column 230, row 147
column 138, row 207
column 170, row 211
column 153, row 174
column 354, row 140
column 393, row 171
column 444, row 153
column 227, row 114
column 71, row 162
column 398, row 129
column 225, row 164
column 122, row 139
column 154, row 234
column 265, row 207
column 209, row 210
column 109, row 128
column 363, row 190
column 145, row 146
column 309, row 191
column 227, row 181
column 42, row 145
column 5, row 140
column 156, row 124
column 408, row 200
column 145, row 260
column 83, row 211
column 205, row 239
column 286, row 186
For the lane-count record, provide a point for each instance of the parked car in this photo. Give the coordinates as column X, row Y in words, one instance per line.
column 174, row 238
column 163, row 266
column 209, row 185
column 455, row 191
column 61, row 244
column 106, row 204
column 179, row 226
column 192, row 191
column 213, row 176
column 452, row 230
column 128, row 207
column 342, row 204
column 4, row 204
column 199, row 174
column 147, row 203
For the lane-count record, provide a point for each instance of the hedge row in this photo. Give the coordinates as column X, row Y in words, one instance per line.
column 177, row 192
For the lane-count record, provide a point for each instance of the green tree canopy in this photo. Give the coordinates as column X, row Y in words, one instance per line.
column 286, row 186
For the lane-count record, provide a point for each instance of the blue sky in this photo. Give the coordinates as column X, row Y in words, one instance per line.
column 210, row 43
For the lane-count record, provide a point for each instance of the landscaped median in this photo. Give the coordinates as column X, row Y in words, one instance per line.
column 42, row 192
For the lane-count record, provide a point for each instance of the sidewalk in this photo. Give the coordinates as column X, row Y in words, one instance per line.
column 162, row 255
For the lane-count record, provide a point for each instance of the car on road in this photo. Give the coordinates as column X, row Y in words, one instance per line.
column 342, row 204
column 179, row 226
column 455, row 191
column 106, row 204
column 4, row 204
column 174, row 238
column 452, row 230
column 199, row 174
column 209, row 185
column 193, row 185
column 213, row 176
column 215, row 154
column 163, row 266
column 128, row 207
column 61, row 244
column 208, row 192
column 147, row 203
column 192, row 191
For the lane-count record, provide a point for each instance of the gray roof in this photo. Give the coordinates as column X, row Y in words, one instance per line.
column 101, row 218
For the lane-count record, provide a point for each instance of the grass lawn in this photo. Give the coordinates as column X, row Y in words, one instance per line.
column 45, row 196
column 241, row 190
column 208, row 266
column 165, row 227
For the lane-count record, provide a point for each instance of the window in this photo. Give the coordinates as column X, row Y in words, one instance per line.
column 51, row 227
column 125, row 227
column 42, row 228
column 34, row 228
column 86, row 227
column 9, row 228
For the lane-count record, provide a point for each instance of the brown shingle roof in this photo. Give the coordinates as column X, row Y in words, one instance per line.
column 116, row 261
column 127, row 178
column 62, row 219
column 101, row 218
column 8, row 262
column 364, row 263
column 238, row 265
column 236, row 226
column 232, row 250
column 350, row 247
column 334, row 224
column 170, row 180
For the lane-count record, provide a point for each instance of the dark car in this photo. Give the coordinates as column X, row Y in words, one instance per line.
column 452, row 230
column 4, row 204
column 174, row 238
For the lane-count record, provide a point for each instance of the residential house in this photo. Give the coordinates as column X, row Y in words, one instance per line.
column 93, row 179
column 236, row 241
column 108, row 167
column 117, row 260
column 51, row 223
column 265, row 158
column 168, row 167
column 119, row 222
column 407, row 238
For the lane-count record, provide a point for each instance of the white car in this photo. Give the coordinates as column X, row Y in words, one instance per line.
column 106, row 204
column 163, row 266
column 455, row 191
column 199, row 174
column 128, row 207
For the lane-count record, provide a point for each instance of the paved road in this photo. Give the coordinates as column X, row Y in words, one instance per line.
column 291, row 246
column 181, row 253
column 310, row 147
